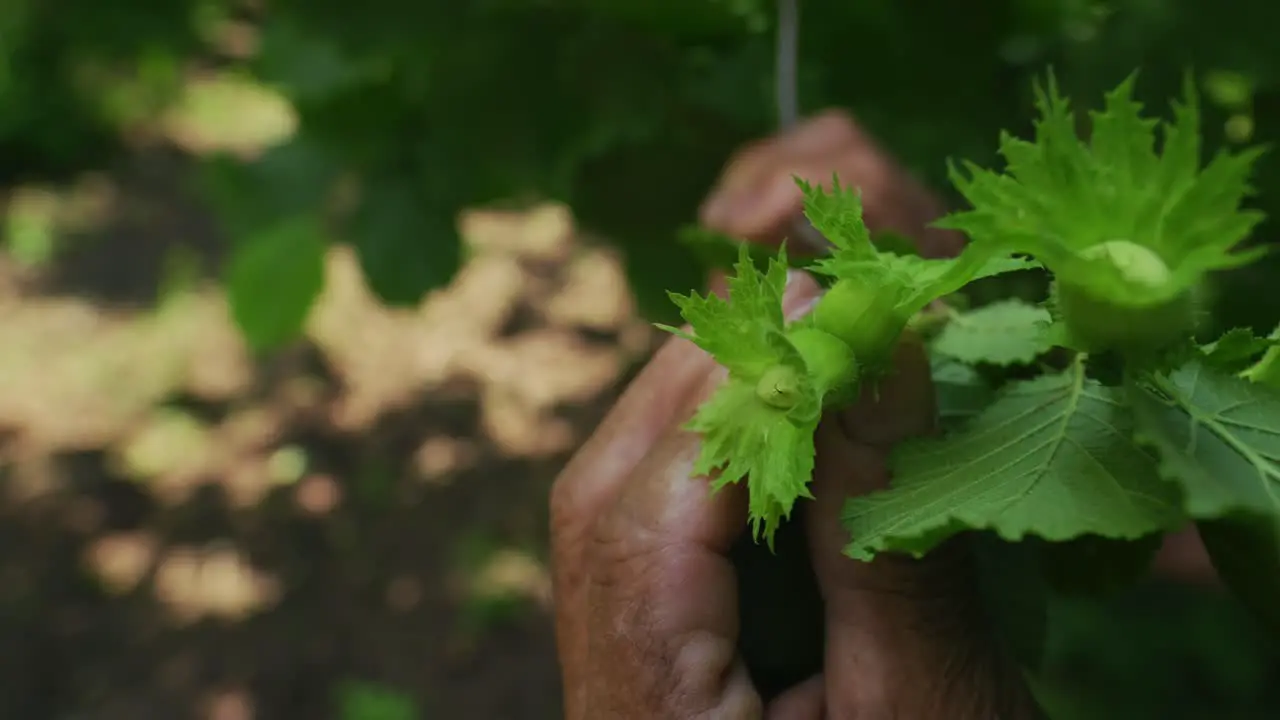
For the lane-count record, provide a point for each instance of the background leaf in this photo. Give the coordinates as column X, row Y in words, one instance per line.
column 1007, row 332
column 406, row 246
column 274, row 278
column 961, row 392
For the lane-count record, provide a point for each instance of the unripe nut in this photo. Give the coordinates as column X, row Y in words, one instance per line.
column 865, row 319
column 1102, row 325
column 779, row 387
column 830, row 362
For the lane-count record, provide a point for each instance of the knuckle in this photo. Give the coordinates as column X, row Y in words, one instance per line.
column 562, row 503
column 623, row 561
column 836, row 123
column 565, row 508
column 751, row 153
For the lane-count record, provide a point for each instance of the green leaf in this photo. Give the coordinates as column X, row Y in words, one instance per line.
column 738, row 331
column 1267, row 370
column 291, row 178
column 912, row 281
column 304, row 64
column 837, row 215
column 273, row 279
column 1236, row 348
column 892, row 288
column 1052, row 457
column 894, row 243
column 1008, row 332
column 773, row 449
column 407, row 245
column 374, row 701
column 1060, row 196
column 742, row 436
column 961, row 392
column 1218, row 437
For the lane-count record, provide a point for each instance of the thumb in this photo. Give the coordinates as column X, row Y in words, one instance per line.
column 852, row 449
column 893, row 618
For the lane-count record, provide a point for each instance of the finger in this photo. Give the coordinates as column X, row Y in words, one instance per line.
column 895, row 611
column 852, row 451
column 815, row 136
column 1182, row 558
column 820, row 136
column 642, row 414
column 588, row 483
column 819, row 133
column 899, row 405
column 661, row 594
column 592, row 485
column 657, row 398
column 658, row 569
column 766, row 209
column 805, row 701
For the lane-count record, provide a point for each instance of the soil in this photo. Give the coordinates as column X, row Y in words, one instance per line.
column 190, row 532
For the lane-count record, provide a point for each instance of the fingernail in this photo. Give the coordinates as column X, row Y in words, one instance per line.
column 802, row 293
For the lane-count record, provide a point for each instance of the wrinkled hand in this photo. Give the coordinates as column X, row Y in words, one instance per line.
column 757, row 198
column 645, row 595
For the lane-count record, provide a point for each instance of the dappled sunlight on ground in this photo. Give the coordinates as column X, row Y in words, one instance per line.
column 189, row 531
column 231, row 705
column 115, row 425
column 215, row 581
column 512, row 572
column 459, row 332
column 75, row 376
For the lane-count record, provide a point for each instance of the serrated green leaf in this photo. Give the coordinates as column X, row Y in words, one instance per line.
column 772, row 449
column 737, row 331
column 1008, row 332
column 1267, row 370
column 744, row 438
column 1235, row 349
column 837, row 215
column 1060, row 196
column 894, row 243
column 1051, row 457
column 273, row 279
column 907, row 283
column 1218, row 437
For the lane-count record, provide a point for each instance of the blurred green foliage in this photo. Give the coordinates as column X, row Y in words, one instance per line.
column 625, row 109
column 370, row 701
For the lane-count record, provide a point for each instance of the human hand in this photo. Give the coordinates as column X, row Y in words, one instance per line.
column 647, row 614
column 757, row 199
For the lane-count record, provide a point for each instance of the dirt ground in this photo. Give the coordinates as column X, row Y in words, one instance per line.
column 192, row 533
